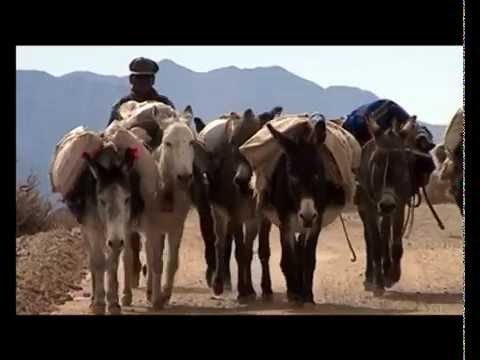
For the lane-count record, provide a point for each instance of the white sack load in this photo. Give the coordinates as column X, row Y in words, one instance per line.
column 342, row 155
column 67, row 163
column 454, row 132
column 144, row 164
column 452, row 137
column 213, row 134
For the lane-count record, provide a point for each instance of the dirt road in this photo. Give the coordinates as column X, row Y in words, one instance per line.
column 431, row 283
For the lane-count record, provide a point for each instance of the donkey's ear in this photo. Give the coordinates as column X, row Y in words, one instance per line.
column 93, row 166
column 188, row 113
column 409, row 128
column 248, row 115
column 373, row 127
column 319, row 132
column 287, row 144
column 131, row 154
column 199, row 124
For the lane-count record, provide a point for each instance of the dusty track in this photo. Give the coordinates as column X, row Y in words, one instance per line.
column 431, row 283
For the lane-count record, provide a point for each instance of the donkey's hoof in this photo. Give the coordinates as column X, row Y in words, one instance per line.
column 127, row 300
column 389, row 282
column 308, row 300
column 98, row 309
column 368, row 285
column 158, row 304
column 267, row 296
column 244, row 299
column 114, row 309
column 309, row 305
column 217, row 287
column 209, row 277
column 378, row 291
column 394, row 274
column 294, row 298
column 228, row 285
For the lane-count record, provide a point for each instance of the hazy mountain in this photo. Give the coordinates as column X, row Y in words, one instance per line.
column 48, row 106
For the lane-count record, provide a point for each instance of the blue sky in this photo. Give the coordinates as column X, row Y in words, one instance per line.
column 425, row 80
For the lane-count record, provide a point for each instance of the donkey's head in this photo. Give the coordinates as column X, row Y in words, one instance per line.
column 306, row 182
column 117, row 196
column 175, row 154
column 249, row 124
column 390, row 164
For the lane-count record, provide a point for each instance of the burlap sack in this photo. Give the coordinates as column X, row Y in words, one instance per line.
column 454, row 132
column 438, row 189
column 213, row 135
column 135, row 114
column 67, row 163
column 144, row 164
column 343, row 152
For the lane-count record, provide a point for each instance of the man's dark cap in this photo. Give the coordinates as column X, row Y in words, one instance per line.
column 143, row 66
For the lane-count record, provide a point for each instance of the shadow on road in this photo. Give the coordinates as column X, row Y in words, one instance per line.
column 277, row 306
column 427, row 298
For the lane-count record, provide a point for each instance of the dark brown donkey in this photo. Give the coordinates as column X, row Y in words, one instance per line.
column 233, row 206
column 386, row 180
column 299, row 194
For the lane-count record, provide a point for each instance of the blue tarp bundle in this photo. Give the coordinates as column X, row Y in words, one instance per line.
column 356, row 120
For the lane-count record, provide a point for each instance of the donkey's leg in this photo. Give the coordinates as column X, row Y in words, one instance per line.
column 288, row 262
column 135, row 245
column 221, row 220
column 309, row 261
column 397, row 248
column 367, row 235
column 208, row 235
column 97, row 268
column 386, row 234
column 128, row 273
column 251, row 231
column 240, row 258
column 264, row 255
column 378, row 248
column 232, row 231
column 112, row 275
column 155, row 245
column 174, row 240
column 150, row 274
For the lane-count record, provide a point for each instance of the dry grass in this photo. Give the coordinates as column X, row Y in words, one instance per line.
column 31, row 208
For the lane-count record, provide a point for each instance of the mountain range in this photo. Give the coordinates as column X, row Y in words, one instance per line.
column 47, row 106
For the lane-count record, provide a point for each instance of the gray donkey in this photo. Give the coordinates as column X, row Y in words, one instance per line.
column 385, row 186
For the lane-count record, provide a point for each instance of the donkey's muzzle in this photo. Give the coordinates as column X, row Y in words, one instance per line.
column 387, row 205
column 308, row 220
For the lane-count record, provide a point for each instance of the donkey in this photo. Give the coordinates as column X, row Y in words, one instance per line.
column 296, row 199
column 232, row 207
column 202, row 203
column 111, row 201
column 385, row 183
column 174, row 158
